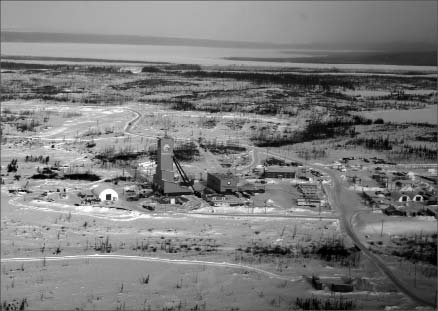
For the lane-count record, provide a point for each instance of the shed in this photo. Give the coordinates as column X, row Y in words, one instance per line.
column 316, row 283
column 105, row 193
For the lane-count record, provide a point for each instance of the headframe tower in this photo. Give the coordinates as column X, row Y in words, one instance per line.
column 164, row 177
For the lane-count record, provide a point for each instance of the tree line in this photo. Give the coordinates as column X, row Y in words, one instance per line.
column 325, row 81
column 315, row 129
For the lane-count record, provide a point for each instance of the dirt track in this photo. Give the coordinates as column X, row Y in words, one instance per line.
column 153, row 259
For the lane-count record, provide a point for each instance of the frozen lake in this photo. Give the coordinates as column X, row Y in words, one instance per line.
column 428, row 114
column 185, row 55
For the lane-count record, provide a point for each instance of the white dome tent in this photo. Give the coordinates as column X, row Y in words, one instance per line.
column 105, row 193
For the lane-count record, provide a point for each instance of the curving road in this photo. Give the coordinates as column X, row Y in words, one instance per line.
column 127, row 130
column 347, row 215
column 260, row 215
column 131, row 123
column 345, row 202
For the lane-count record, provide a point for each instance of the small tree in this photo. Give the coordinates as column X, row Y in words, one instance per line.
column 379, row 121
column 12, row 167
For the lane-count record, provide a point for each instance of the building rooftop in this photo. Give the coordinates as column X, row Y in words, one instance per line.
column 226, row 175
column 280, row 169
column 97, row 190
column 308, row 197
column 307, row 186
column 223, row 198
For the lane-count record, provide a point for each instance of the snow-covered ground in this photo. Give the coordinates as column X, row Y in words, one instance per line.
column 405, row 226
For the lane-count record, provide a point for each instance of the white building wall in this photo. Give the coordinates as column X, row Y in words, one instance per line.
column 418, row 198
column 404, row 198
column 103, row 195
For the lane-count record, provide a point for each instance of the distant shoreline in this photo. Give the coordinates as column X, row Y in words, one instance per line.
column 302, row 68
column 79, row 59
column 47, row 37
column 426, row 58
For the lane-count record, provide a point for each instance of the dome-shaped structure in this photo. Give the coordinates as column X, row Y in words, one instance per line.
column 105, row 193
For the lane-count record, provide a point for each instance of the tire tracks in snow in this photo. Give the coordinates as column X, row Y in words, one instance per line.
column 153, row 259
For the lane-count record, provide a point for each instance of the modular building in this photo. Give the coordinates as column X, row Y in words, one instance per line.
column 223, row 200
column 342, row 288
column 306, row 201
column 251, row 188
column 279, row 172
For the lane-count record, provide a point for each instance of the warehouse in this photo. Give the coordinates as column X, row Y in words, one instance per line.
column 222, row 182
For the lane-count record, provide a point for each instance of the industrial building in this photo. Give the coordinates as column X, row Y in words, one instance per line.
column 222, row 182
column 279, row 172
column 164, row 180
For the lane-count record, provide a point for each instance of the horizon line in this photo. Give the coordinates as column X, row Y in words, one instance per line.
column 201, row 41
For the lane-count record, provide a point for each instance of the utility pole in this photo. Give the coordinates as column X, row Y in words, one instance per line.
column 415, row 274
column 381, row 232
column 436, row 297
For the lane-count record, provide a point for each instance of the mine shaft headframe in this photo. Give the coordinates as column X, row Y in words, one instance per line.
column 183, row 174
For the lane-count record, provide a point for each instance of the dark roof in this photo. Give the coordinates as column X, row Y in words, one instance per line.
column 227, row 175
column 307, row 186
column 280, row 169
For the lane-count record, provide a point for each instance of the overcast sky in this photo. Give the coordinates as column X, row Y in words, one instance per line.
column 262, row 21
